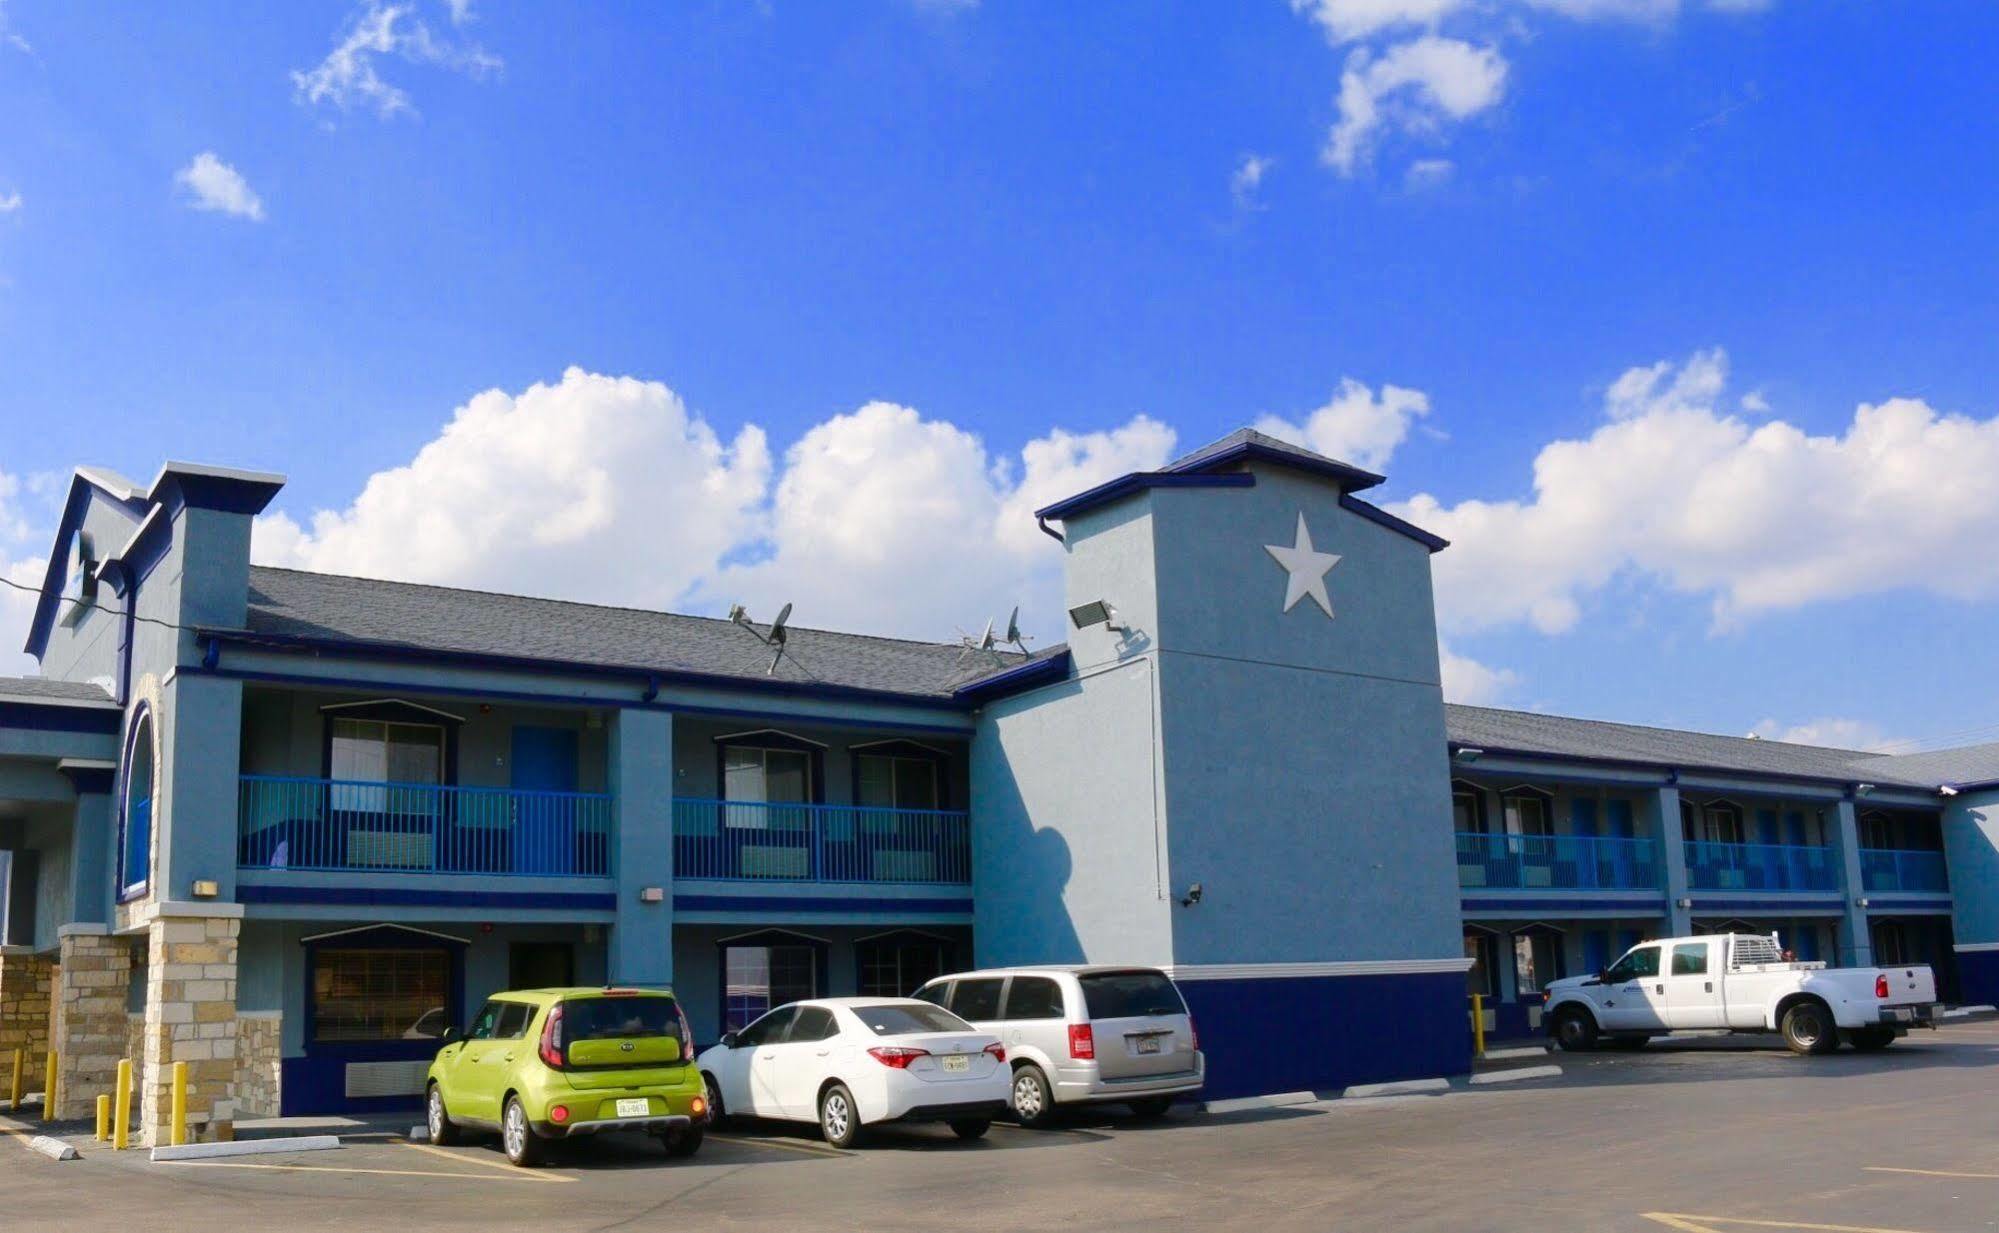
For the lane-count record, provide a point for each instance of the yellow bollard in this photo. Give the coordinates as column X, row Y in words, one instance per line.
column 1478, row 1024
column 121, row 1106
column 49, row 1089
column 15, row 1103
column 180, row 1104
column 103, row 1117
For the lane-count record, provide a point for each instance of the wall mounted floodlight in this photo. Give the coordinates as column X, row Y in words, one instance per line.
column 206, row 888
column 1097, row 612
column 1683, row 903
column 1467, row 753
column 1863, row 902
column 651, row 894
column 1945, row 789
column 1863, row 789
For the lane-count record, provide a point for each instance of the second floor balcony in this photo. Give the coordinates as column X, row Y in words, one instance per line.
column 1888, row 870
column 759, row 842
column 1556, row 862
column 1761, row 866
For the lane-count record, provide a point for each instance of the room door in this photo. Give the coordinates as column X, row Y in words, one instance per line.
column 544, row 814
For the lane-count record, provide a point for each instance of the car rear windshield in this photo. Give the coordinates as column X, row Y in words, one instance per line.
column 1130, row 995
column 619, row 1018
column 902, row 1018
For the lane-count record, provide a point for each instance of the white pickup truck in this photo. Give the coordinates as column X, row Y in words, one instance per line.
column 1739, row 982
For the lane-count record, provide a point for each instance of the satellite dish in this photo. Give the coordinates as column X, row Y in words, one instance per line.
column 776, row 638
column 986, row 639
column 1013, row 629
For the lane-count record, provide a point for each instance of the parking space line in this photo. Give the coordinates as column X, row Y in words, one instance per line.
column 511, row 1169
column 789, row 1145
column 1930, row 1172
column 299, row 1168
column 1707, row 1224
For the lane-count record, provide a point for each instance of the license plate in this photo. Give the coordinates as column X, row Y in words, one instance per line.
column 956, row 1063
column 1904, row 1014
column 1148, row 1044
column 637, row 1107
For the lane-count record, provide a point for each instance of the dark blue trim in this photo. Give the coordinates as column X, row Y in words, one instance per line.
column 1381, row 517
column 355, row 648
column 1877, row 904
column 54, row 717
column 363, row 685
column 1023, row 676
column 1350, row 478
column 401, row 896
column 805, row 903
column 1605, row 903
column 1703, row 904
column 1140, row 481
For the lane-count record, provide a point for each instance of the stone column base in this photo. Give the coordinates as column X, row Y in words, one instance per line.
column 26, row 982
column 190, row 1017
column 94, row 971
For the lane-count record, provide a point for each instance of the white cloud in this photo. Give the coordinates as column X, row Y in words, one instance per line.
column 1750, row 517
column 1426, row 173
column 1355, row 425
column 1247, row 179
column 348, row 77
column 608, row 489
column 1833, row 733
column 10, row 203
column 1610, row 10
column 1344, row 21
column 460, row 11
column 1413, row 87
column 214, row 185
column 1468, row 681
column 9, row 37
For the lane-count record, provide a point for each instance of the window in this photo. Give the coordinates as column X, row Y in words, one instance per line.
column 1478, row 978
column 1720, row 822
column 1891, row 944
column 768, row 1030
column 1467, row 808
column 1876, row 831
column 756, row 978
column 813, row 1023
column 937, row 994
column 513, row 1023
column 1636, row 965
column 1537, row 959
column 890, row 782
column 759, row 778
column 366, row 752
column 903, row 1020
column 1033, row 997
column 977, row 1000
column 486, row 1022
column 1527, row 813
column 1130, row 995
column 382, row 994
column 1690, row 959
column 136, row 846
column 619, row 1017
column 894, row 967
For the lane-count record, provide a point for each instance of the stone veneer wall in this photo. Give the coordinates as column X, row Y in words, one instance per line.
column 259, row 1046
column 190, row 1017
column 135, row 1039
column 26, row 985
column 94, row 970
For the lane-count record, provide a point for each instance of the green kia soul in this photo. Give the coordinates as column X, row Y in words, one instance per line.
column 541, row 1064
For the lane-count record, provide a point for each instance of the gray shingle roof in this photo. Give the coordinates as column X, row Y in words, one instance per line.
column 1971, row 764
column 1279, row 450
column 41, row 689
column 294, row 604
column 1526, row 732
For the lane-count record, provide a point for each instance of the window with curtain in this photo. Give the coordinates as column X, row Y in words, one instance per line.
column 758, row 977
column 1537, row 959
column 372, row 752
column 376, row 994
column 759, row 778
column 888, row 782
column 1527, row 813
column 1467, row 809
column 1721, row 822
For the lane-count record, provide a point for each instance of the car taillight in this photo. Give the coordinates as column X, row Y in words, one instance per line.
column 1194, row 1032
column 1881, row 985
column 896, row 1057
column 998, row 1051
column 551, row 1038
column 686, row 1035
column 1082, row 1041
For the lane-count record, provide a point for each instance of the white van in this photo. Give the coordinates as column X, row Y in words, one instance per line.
column 1082, row 1034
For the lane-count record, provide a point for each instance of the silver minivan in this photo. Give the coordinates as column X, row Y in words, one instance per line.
column 1082, row 1034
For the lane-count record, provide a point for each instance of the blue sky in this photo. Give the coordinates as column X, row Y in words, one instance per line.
column 1002, row 249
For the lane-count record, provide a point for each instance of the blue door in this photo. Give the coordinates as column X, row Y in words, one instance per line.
column 544, row 810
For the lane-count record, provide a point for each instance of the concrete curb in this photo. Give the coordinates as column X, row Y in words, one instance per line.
column 54, row 1149
column 420, row 1133
column 1401, row 1087
column 1275, row 1100
column 1516, row 1074
column 1495, row 1055
column 246, row 1147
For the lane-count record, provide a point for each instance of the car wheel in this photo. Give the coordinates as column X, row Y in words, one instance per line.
column 1151, row 1108
column 443, row 1131
column 969, row 1128
column 839, row 1120
column 1873, row 1040
column 1033, row 1103
column 680, row 1144
column 523, row 1147
column 1808, row 1028
column 718, row 1115
column 1575, row 1031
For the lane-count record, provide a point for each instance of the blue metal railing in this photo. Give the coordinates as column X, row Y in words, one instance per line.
column 285, row 822
column 1561, row 862
column 741, row 840
column 1761, row 866
column 1896, row 869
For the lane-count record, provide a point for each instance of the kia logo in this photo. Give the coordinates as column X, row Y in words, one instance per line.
column 627, row 1047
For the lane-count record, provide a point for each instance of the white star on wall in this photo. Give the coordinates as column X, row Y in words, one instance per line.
column 1306, row 569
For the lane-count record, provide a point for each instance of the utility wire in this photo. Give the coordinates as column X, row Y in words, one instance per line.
column 89, row 603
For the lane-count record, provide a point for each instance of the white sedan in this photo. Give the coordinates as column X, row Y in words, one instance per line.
column 848, row 1063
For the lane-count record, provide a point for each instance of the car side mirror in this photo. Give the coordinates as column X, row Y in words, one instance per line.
column 449, row 1034
column 1603, row 978
column 730, row 1040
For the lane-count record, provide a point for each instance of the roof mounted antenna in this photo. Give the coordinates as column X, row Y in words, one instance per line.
column 775, row 638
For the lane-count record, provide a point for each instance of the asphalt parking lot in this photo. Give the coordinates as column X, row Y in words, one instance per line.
column 1716, row 1134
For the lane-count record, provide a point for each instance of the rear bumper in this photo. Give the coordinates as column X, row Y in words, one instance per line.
column 1089, row 1087
column 954, row 1112
column 658, row 1123
column 1921, row 1014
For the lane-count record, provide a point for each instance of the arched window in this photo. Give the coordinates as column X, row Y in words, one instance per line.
column 135, row 848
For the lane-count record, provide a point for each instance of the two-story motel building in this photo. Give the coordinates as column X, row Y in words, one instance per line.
column 286, row 827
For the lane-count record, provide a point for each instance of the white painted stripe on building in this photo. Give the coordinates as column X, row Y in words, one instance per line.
column 1964, row 948
column 54, row 1149
column 1283, row 971
column 246, row 1147
column 1401, row 1087
column 1517, row 1073
column 1273, row 1101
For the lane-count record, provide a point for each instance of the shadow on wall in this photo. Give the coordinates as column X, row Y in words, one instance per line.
column 1021, row 874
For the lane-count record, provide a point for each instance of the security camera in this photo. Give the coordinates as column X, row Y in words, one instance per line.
column 1193, row 896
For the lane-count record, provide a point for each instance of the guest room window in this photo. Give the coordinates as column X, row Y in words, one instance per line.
column 1528, row 813
column 1467, row 808
column 371, row 751
column 759, row 777
column 379, row 994
column 758, row 977
column 1537, row 959
column 888, row 782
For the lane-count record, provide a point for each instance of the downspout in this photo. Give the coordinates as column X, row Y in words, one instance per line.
column 1054, row 535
